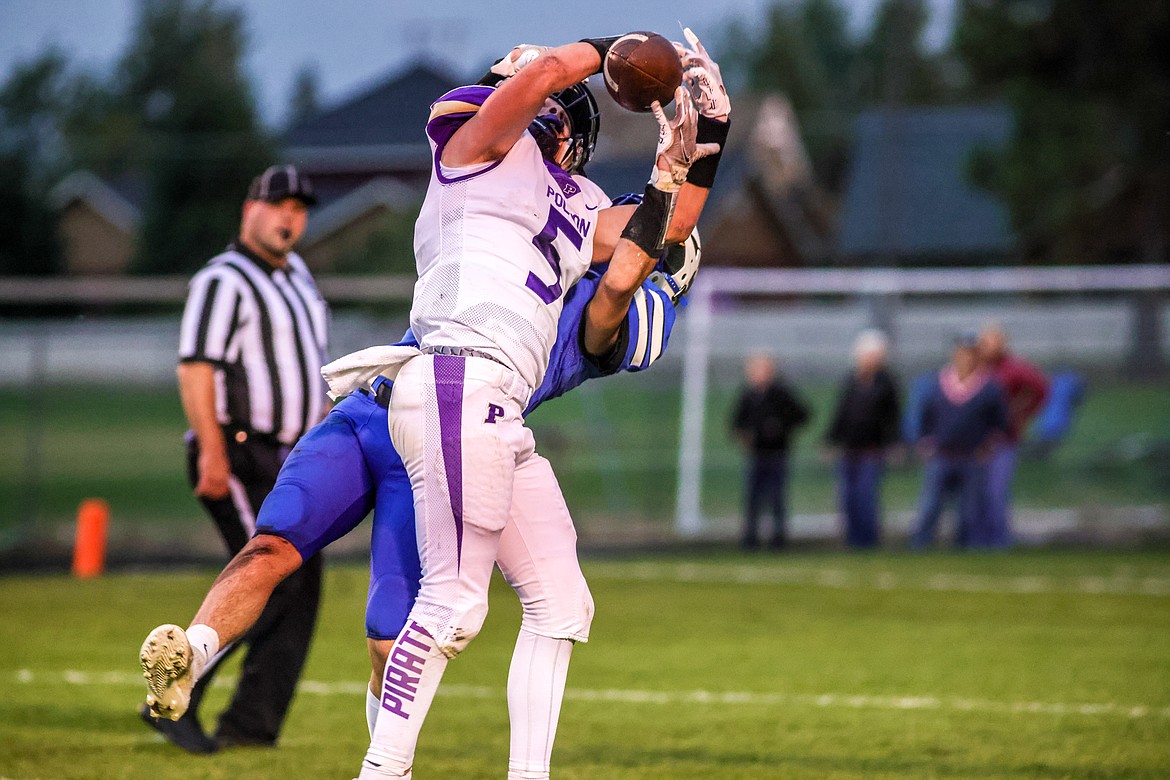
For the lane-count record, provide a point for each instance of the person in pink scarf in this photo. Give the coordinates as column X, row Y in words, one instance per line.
column 963, row 416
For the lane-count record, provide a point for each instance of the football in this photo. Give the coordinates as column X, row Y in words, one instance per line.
column 639, row 68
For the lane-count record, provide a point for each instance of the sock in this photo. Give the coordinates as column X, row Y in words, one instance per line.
column 536, row 686
column 204, row 642
column 373, row 704
column 414, row 670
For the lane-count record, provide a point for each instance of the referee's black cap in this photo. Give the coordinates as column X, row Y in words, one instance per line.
column 282, row 181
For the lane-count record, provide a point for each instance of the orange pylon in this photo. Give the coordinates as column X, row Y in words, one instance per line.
column 89, row 545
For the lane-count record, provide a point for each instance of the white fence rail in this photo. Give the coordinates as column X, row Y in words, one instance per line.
column 720, row 302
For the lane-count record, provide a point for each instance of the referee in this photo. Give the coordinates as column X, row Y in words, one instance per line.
column 252, row 344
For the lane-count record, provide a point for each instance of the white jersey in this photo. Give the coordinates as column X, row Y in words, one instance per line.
column 497, row 246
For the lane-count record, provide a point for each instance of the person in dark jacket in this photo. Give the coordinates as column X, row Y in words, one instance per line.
column 766, row 416
column 864, row 428
column 963, row 416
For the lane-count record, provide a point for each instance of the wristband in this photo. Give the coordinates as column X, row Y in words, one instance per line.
column 601, row 46
column 647, row 225
column 702, row 171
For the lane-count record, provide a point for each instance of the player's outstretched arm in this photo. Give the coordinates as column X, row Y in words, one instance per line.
column 703, row 79
column 510, row 109
column 645, row 234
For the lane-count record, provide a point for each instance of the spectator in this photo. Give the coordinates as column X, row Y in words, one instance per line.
column 865, row 426
column 962, row 416
column 766, row 416
column 1025, row 390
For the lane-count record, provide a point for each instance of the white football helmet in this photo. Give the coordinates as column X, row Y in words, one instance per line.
column 676, row 268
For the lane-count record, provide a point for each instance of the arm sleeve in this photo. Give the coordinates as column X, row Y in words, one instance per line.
column 891, row 413
column 998, row 411
column 211, row 316
column 648, row 325
column 836, row 433
column 926, row 421
column 1037, row 383
column 449, row 113
column 740, row 416
column 642, row 338
column 798, row 411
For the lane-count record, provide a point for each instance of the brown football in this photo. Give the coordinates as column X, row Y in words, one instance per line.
column 641, row 67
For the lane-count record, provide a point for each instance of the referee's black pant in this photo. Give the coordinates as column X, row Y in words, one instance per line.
column 279, row 642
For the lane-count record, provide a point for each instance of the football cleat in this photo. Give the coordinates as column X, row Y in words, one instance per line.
column 166, row 660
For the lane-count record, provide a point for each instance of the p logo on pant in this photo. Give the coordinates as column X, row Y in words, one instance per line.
column 494, row 413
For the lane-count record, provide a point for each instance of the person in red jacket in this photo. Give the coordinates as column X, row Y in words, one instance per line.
column 1025, row 388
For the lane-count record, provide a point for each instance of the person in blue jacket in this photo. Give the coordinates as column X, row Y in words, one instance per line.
column 963, row 415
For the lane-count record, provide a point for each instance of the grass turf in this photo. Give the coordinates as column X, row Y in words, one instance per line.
column 1037, row 664
column 614, row 445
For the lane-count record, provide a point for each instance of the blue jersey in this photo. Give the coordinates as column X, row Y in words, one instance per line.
column 640, row 341
column 346, row 466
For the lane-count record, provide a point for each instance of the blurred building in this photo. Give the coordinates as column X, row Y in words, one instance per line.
column 908, row 200
column 98, row 221
column 766, row 208
column 369, row 161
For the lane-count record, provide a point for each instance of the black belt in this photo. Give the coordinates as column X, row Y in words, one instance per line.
column 382, row 388
column 242, row 435
column 463, row 352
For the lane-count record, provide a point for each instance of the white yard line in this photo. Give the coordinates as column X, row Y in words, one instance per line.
column 704, row 698
column 729, row 574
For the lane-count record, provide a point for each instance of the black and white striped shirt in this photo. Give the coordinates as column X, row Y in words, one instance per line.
column 265, row 330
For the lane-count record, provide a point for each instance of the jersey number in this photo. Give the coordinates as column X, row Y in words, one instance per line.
column 557, row 223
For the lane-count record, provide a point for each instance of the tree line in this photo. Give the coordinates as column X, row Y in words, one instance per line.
column 1087, row 84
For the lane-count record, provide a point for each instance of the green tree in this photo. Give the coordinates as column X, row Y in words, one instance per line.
column 804, row 51
column 203, row 141
column 1086, row 174
column 30, row 155
column 389, row 249
column 177, row 113
column 305, row 99
column 893, row 66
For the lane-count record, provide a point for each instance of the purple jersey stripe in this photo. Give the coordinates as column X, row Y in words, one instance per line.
column 448, row 114
column 449, row 395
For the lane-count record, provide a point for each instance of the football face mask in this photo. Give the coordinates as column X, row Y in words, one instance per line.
column 551, row 129
column 576, row 109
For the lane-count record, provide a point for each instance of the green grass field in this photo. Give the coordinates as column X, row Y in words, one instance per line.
column 811, row 665
column 614, row 445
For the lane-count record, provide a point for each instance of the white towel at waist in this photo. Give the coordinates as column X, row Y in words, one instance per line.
column 358, row 369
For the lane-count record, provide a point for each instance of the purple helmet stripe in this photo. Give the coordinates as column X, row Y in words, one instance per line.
column 449, row 394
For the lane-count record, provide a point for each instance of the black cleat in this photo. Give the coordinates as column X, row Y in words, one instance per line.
column 184, row 733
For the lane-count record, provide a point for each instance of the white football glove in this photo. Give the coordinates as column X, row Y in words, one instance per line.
column 703, row 79
column 520, row 56
column 677, row 148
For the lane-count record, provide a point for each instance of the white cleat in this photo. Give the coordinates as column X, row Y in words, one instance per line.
column 166, row 664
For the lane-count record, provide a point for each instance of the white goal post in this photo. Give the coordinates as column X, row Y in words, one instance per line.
column 715, row 286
